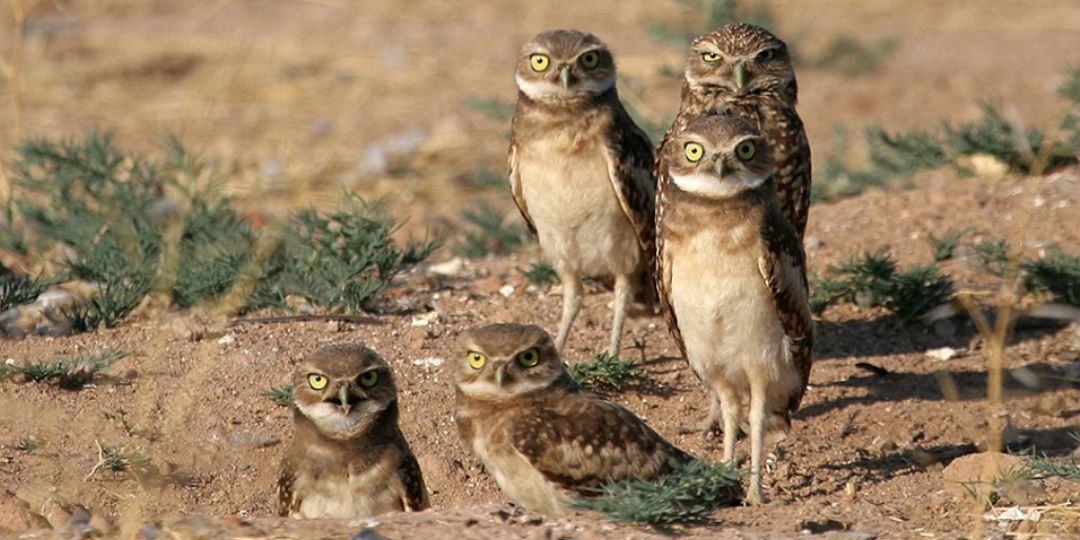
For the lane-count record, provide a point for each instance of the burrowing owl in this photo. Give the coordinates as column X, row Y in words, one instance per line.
column 581, row 171
column 539, row 435
column 746, row 71
column 348, row 458
column 730, row 270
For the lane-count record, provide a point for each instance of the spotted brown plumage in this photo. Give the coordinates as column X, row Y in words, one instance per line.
column 543, row 439
column 764, row 94
column 580, row 171
column 348, row 458
column 731, row 277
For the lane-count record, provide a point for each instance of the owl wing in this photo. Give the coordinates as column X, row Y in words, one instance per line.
column 413, row 492
column 663, row 264
column 514, row 177
column 581, row 441
column 630, row 168
column 782, row 265
column 788, row 137
column 288, row 500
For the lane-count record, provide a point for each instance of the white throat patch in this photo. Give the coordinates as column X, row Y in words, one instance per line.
column 541, row 90
column 711, row 186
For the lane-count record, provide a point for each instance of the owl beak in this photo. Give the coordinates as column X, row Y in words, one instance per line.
column 718, row 168
column 343, row 396
column 564, row 76
column 740, row 76
column 500, row 372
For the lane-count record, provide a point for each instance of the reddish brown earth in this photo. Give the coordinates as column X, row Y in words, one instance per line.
column 284, row 98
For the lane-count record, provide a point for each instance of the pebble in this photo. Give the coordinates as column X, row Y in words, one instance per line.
column 227, row 339
column 506, row 290
column 944, row 353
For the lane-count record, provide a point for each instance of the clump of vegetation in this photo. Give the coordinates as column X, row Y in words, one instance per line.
column 606, row 372
column 118, row 459
column 493, row 108
column 688, row 495
column 993, row 256
column 708, row 15
column 850, row 56
column 25, row 444
column 133, row 225
column 837, row 180
column 944, row 246
column 541, row 275
column 874, row 280
column 489, row 233
column 17, row 290
column 71, row 373
column 280, row 395
column 1056, row 276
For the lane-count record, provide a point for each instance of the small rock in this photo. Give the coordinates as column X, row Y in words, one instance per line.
column 425, row 319
column 984, row 165
column 246, row 438
column 428, row 362
column 812, row 243
column 453, row 267
column 978, row 473
column 227, row 339
column 506, row 290
column 944, row 353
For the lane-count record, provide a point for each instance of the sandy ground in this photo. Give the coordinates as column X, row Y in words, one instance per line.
column 289, row 101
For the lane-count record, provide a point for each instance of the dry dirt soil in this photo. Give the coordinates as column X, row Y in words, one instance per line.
column 291, row 101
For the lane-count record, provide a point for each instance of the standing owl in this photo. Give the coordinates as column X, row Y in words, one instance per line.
column 746, row 71
column 537, row 433
column 348, row 458
column 581, row 171
column 730, row 270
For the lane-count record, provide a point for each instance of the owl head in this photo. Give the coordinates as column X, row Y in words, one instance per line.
column 564, row 66
column 741, row 59
column 343, row 389
column 502, row 361
column 718, row 156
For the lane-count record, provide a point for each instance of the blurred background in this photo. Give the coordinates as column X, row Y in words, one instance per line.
column 289, row 102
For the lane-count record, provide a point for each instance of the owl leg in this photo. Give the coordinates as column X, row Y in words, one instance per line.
column 758, row 418
column 623, row 290
column 571, row 304
column 729, row 407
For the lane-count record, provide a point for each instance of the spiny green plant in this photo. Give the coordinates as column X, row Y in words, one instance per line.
column 541, row 275
column 1056, row 276
column 1020, row 149
column 72, row 372
column 17, row 290
column 708, row 15
column 688, row 495
column 944, row 246
column 606, row 372
column 280, row 395
column 117, row 458
column 8, row 371
column 1070, row 89
column 848, row 55
column 874, row 280
column 993, row 256
column 488, row 233
column 113, row 211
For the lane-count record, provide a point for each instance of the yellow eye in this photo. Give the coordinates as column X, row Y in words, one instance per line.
column 368, row 379
column 710, row 57
column 590, row 59
column 316, row 381
column 539, row 62
column 529, row 358
column 477, row 360
column 694, row 151
column 746, row 150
